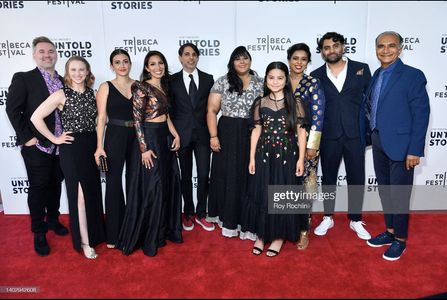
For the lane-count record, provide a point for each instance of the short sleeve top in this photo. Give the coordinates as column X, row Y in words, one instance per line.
column 234, row 105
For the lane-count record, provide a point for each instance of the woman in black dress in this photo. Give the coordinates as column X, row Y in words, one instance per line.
column 154, row 204
column 233, row 95
column 77, row 107
column 114, row 102
column 277, row 149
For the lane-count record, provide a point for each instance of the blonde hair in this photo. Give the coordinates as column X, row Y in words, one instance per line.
column 89, row 79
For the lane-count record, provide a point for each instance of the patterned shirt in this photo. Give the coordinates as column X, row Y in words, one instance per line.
column 235, row 106
column 53, row 84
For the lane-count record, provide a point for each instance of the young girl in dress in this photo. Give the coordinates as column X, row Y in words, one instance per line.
column 277, row 149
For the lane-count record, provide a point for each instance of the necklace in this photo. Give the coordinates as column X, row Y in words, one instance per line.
column 275, row 99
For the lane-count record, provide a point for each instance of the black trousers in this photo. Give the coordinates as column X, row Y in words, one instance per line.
column 44, row 193
column 202, row 154
column 121, row 147
column 353, row 154
column 395, row 184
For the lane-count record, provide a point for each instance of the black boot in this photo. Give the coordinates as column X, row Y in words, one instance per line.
column 41, row 244
column 57, row 227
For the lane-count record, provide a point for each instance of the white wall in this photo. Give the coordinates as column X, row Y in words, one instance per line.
column 94, row 28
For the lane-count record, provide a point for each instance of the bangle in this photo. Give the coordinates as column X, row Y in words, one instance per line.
column 214, row 136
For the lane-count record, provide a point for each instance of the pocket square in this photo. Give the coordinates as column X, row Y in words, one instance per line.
column 359, row 72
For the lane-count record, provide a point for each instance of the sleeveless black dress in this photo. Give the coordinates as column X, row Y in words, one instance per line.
column 120, row 145
column 79, row 167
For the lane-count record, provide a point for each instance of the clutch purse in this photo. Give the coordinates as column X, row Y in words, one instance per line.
column 103, row 167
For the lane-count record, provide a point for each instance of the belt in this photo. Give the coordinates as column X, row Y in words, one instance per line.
column 124, row 123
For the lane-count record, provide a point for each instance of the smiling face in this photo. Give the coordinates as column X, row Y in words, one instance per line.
column 332, row 52
column 156, row 67
column 298, row 62
column 77, row 71
column 388, row 50
column 276, row 80
column 189, row 59
column 242, row 65
column 121, row 65
column 45, row 56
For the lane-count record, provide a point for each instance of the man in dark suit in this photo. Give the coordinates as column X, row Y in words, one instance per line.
column 189, row 90
column 397, row 110
column 344, row 82
column 26, row 92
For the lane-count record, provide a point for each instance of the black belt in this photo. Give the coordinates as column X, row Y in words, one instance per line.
column 121, row 123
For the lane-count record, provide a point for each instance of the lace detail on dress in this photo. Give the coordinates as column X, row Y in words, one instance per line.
column 79, row 112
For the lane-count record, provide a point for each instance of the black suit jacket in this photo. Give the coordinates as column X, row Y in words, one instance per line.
column 184, row 115
column 26, row 92
column 342, row 109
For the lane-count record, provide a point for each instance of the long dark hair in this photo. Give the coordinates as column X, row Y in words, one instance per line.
column 234, row 80
column 289, row 99
column 145, row 74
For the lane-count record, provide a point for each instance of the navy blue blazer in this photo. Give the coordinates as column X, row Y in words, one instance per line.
column 341, row 114
column 184, row 114
column 402, row 113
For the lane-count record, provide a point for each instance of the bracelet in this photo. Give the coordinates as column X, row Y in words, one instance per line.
column 214, row 136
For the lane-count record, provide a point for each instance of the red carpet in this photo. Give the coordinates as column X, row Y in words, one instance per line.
column 207, row 265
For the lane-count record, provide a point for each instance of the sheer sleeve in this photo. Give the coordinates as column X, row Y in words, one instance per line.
column 139, row 105
column 255, row 112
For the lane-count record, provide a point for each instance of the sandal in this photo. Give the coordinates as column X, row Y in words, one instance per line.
column 257, row 250
column 304, row 240
column 272, row 252
column 89, row 252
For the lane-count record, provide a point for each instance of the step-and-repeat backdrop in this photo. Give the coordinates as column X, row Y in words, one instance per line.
column 93, row 29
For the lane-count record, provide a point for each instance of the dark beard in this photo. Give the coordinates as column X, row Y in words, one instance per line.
column 333, row 60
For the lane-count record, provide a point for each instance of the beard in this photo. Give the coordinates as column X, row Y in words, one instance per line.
column 333, row 59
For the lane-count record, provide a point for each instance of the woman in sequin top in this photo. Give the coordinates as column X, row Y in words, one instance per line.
column 232, row 95
column 310, row 90
column 77, row 107
column 154, row 203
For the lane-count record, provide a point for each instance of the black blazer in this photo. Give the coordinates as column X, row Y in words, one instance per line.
column 26, row 92
column 342, row 109
column 184, row 115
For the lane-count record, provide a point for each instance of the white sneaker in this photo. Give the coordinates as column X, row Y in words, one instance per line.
column 357, row 226
column 324, row 226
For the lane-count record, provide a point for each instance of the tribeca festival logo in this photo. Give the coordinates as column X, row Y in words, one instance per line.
column 438, row 179
column 20, row 185
column 3, row 96
column 444, row 43
column 441, row 94
column 9, row 142
column 207, row 47
column 10, row 48
column 409, row 43
column 65, row 3
column 12, row 4
column 137, row 45
column 350, row 44
column 438, row 137
column 269, row 43
column 131, row 5
column 67, row 48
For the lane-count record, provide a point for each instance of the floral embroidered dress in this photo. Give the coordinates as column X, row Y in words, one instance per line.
column 275, row 163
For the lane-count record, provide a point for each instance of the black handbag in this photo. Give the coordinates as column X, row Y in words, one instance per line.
column 103, row 167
